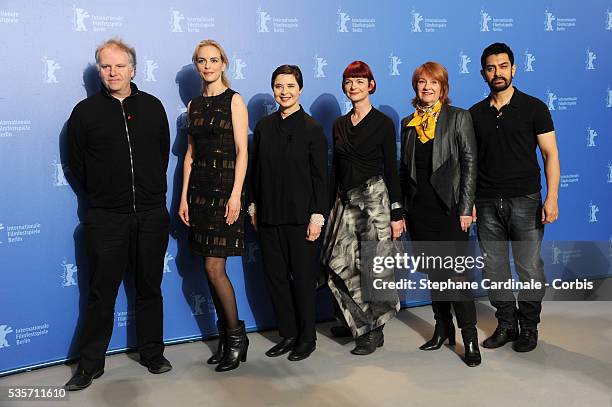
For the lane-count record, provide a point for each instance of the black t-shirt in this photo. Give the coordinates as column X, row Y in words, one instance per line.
column 507, row 141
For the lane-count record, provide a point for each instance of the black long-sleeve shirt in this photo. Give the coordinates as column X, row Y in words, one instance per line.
column 289, row 169
column 367, row 150
column 118, row 151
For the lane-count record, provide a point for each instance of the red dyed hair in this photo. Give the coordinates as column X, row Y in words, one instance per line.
column 435, row 71
column 359, row 69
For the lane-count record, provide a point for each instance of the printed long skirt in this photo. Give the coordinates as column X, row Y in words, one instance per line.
column 359, row 218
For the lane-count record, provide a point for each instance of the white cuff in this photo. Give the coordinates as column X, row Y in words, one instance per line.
column 252, row 209
column 317, row 219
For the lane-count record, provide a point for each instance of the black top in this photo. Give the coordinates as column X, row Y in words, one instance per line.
column 367, row 150
column 507, row 140
column 289, row 169
column 118, row 151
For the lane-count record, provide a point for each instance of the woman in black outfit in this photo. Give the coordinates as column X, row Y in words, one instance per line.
column 438, row 177
column 367, row 209
column 289, row 202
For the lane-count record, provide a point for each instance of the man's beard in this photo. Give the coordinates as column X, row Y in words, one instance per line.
column 501, row 86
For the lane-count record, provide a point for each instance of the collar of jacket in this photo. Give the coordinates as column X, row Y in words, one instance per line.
column 133, row 88
column 439, row 155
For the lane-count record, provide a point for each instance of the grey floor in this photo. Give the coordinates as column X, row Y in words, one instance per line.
column 572, row 366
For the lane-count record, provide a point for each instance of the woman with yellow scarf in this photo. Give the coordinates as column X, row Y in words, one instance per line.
column 438, row 178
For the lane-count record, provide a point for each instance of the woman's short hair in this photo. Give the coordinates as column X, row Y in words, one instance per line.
column 213, row 43
column 435, row 71
column 359, row 69
column 288, row 70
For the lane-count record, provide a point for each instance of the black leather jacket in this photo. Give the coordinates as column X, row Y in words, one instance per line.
column 454, row 160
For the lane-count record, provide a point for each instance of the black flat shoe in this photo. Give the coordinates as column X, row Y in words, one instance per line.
column 157, row 365
column 501, row 336
column 442, row 332
column 284, row 346
column 82, row 379
column 527, row 340
column 368, row 342
column 302, row 350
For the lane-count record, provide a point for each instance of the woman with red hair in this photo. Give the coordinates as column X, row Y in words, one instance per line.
column 367, row 209
column 438, row 178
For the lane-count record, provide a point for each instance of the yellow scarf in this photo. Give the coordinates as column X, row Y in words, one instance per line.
column 424, row 121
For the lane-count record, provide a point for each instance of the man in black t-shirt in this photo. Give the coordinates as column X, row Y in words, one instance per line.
column 509, row 126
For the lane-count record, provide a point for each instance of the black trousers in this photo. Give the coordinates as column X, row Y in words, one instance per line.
column 115, row 243
column 290, row 264
column 446, row 229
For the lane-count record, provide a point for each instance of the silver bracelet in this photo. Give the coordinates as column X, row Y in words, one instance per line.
column 317, row 219
column 252, row 209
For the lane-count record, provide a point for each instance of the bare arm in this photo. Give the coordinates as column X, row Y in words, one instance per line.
column 183, row 206
column 240, row 124
column 550, row 155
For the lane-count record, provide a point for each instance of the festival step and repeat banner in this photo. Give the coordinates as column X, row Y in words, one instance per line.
column 562, row 54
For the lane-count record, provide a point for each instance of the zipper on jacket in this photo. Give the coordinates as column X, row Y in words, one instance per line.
column 127, row 134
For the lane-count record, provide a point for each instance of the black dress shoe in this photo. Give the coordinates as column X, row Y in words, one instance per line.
column 368, row 342
column 284, row 346
column 501, row 336
column 442, row 332
column 302, row 350
column 157, row 365
column 82, row 379
column 527, row 340
column 341, row 331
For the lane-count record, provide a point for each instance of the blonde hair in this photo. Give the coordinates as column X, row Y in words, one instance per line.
column 117, row 43
column 224, row 59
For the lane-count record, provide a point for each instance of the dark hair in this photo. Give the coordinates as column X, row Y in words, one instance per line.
column 359, row 69
column 494, row 49
column 435, row 71
column 288, row 70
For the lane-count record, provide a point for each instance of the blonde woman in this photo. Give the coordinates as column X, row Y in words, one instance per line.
column 211, row 200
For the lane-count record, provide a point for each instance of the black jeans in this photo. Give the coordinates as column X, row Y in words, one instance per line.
column 116, row 242
column 290, row 265
column 518, row 221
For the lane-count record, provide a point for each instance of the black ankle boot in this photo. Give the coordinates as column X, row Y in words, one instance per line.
column 368, row 342
column 470, row 343
column 237, row 346
column 442, row 332
column 221, row 346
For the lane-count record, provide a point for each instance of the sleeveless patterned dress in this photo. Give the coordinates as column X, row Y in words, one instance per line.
column 212, row 178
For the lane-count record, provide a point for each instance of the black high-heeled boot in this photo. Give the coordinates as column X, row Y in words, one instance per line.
column 472, row 352
column 221, row 346
column 442, row 332
column 237, row 346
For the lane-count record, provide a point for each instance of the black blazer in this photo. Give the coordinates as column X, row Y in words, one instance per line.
column 453, row 160
column 289, row 169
